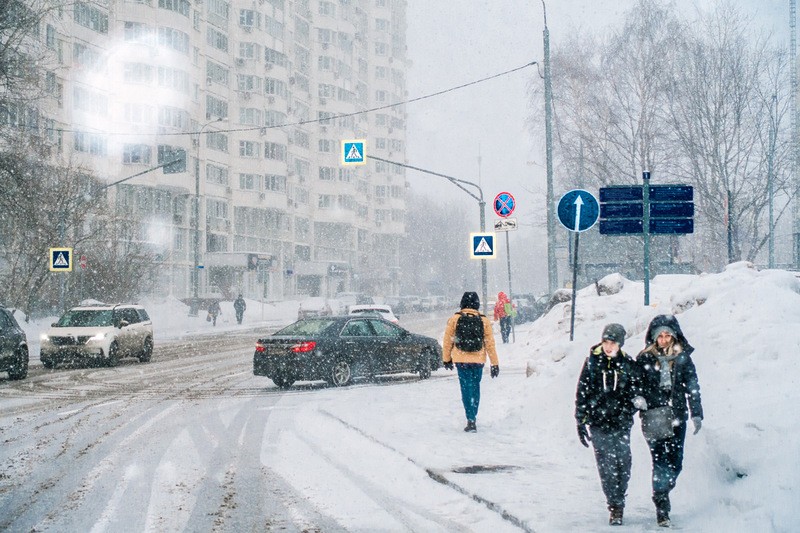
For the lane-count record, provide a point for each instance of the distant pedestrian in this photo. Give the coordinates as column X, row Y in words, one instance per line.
column 672, row 391
column 468, row 341
column 239, row 306
column 608, row 395
column 214, row 311
column 504, row 312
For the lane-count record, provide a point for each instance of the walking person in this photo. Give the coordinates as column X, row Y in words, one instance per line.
column 468, row 341
column 502, row 312
column 671, row 389
column 214, row 311
column 608, row 395
column 239, row 305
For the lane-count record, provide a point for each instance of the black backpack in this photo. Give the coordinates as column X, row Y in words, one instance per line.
column 469, row 332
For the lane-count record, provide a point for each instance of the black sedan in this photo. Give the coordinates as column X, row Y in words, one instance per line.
column 339, row 348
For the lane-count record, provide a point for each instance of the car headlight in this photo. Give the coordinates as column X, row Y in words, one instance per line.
column 98, row 337
column 44, row 337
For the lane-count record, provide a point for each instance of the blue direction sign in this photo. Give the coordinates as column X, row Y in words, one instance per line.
column 354, row 152
column 504, row 204
column 621, row 193
column 482, row 246
column 671, row 193
column 578, row 210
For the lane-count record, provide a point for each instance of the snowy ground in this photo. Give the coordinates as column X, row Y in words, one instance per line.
column 368, row 457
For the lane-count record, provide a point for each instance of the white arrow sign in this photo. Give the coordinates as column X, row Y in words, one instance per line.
column 578, row 204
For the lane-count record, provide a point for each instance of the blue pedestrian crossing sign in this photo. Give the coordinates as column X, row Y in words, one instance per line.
column 578, row 210
column 354, row 152
column 60, row 259
column 482, row 246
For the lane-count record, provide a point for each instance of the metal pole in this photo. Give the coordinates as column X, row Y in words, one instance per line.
column 62, row 230
column 795, row 152
column 552, row 271
column 646, row 234
column 574, row 286
column 770, row 185
column 510, row 292
column 729, row 228
column 484, row 282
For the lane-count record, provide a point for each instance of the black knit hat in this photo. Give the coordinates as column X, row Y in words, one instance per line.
column 614, row 332
column 470, row 300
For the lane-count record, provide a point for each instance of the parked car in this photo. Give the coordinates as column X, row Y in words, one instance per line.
column 13, row 346
column 314, row 306
column 100, row 332
column 383, row 311
column 339, row 349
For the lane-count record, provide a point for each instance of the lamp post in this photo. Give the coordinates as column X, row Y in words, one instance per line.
column 194, row 307
column 481, row 205
column 552, row 271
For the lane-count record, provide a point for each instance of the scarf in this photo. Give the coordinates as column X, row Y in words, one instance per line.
column 666, row 374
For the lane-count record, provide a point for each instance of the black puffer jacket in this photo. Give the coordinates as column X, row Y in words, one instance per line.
column 684, row 396
column 606, row 389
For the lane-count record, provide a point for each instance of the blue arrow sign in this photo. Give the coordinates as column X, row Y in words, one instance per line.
column 578, row 210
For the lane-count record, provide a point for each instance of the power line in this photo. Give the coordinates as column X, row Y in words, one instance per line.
column 332, row 117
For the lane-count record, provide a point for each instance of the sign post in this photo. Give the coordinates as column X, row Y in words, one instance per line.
column 577, row 211
column 504, row 205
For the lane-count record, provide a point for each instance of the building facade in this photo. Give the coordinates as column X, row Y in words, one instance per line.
column 259, row 94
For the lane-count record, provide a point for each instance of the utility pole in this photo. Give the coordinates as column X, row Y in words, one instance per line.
column 795, row 149
column 552, row 271
column 770, row 181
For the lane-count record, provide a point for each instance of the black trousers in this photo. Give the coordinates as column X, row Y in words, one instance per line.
column 612, row 451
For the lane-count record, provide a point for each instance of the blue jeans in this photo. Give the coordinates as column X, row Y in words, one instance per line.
column 469, row 377
column 667, row 457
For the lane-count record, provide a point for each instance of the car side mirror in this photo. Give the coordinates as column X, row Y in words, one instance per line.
column 122, row 324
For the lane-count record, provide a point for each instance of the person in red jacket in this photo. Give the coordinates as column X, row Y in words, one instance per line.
column 502, row 312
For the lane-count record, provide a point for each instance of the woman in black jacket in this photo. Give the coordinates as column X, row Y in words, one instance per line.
column 607, row 397
column 669, row 380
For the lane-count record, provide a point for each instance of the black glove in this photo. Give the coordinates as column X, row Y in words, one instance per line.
column 495, row 371
column 448, row 365
column 583, row 434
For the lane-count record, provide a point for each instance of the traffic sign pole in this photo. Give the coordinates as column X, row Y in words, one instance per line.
column 646, row 233
column 574, row 286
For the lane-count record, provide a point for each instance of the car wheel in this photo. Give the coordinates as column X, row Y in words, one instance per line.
column 282, row 382
column 113, row 355
column 147, row 351
column 20, row 368
column 424, row 365
column 47, row 363
column 341, row 373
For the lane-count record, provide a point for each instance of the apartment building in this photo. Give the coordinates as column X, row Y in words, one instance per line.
column 260, row 95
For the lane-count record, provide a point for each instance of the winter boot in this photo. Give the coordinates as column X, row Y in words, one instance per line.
column 471, row 427
column 662, row 509
column 615, row 519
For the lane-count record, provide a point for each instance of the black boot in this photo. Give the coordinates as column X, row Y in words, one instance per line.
column 471, row 427
column 662, row 509
column 615, row 519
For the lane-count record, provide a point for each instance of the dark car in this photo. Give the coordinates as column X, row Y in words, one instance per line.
column 13, row 346
column 340, row 348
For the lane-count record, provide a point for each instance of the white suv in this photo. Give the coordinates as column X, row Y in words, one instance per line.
column 103, row 332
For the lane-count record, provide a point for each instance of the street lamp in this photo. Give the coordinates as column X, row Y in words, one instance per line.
column 193, row 309
column 552, row 272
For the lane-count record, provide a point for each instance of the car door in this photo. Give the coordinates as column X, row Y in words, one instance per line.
column 361, row 346
column 126, row 337
column 8, row 336
column 397, row 353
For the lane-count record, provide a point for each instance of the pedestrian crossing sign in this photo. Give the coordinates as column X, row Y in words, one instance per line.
column 482, row 246
column 60, row 259
column 353, row 152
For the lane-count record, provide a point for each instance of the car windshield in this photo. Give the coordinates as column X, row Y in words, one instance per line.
column 85, row 318
column 311, row 327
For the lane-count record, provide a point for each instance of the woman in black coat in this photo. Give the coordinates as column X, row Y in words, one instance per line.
column 608, row 395
column 669, row 380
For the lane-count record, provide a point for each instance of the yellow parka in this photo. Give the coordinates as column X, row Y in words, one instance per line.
column 451, row 353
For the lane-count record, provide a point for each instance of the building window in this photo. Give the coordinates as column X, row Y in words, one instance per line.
column 173, row 117
column 216, row 107
column 380, row 72
column 90, row 17
column 273, row 87
column 89, row 101
column 327, row 146
column 218, row 175
column 326, row 201
column 218, row 12
column 137, row 73
column 217, row 73
column 327, row 173
column 136, row 154
column 173, row 78
column 275, row 182
column 50, row 37
column 136, row 31
column 249, row 18
column 217, row 141
column 138, row 113
column 274, row 151
column 250, row 116
column 327, row 8
column 273, row 27
column 274, row 57
column 249, row 149
column 91, row 143
column 87, row 57
column 380, row 96
column 248, row 82
column 274, row 118
column 249, row 182
column 381, row 49
column 178, row 6
column 217, row 39
column 248, row 50
column 382, row 25
column 175, row 39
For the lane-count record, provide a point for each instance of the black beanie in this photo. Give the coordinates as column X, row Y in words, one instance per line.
column 470, row 300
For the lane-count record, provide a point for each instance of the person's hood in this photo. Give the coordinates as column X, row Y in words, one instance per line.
column 660, row 322
column 502, row 297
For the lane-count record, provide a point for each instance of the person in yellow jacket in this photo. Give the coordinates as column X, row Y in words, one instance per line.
column 468, row 340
